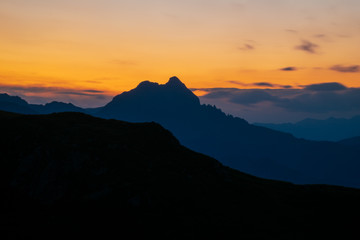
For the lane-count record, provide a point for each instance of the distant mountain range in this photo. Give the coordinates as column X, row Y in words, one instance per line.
column 332, row 129
column 233, row 141
column 19, row 105
column 70, row 175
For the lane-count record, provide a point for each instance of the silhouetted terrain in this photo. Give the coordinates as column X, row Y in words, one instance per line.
column 234, row 142
column 332, row 129
column 252, row 149
column 15, row 104
column 73, row 176
column 55, row 107
column 19, row 105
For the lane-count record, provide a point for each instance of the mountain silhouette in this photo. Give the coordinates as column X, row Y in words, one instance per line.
column 236, row 143
column 18, row 105
column 55, row 107
column 72, row 175
column 331, row 129
column 15, row 104
column 256, row 150
column 152, row 102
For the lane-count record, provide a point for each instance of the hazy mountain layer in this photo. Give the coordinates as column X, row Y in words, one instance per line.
column 332, row 129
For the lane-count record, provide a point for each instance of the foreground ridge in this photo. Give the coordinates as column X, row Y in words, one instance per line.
column 71, row 174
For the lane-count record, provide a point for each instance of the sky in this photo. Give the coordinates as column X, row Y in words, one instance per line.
column 87, row 51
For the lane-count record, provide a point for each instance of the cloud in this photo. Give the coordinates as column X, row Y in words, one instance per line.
column 288, row 69
column 260, row 84
column 308, row 47
column 252, row 96
column 346, row 69
column 247, row 47
column 333, row 86
column 216, row 93
column 322, row 102
column 291, row 31
column 238, row 83
column 54, row 90
column 43, row 94
column 324, row 98
column 93, row 91
column 320, row 35
column 263, row 84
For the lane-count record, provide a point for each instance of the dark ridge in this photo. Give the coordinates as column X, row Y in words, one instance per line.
column 70, row 175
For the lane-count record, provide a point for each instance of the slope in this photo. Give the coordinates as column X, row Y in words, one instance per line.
column 72, row 175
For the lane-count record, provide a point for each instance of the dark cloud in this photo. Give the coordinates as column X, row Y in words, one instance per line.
column 50, row 92
column 291, row 31
column 263, row 84
column 54, row 90
column 239, row 96
column 247, row 47
column 260, row 84
column 238, row 83
column 288, row 69
column 220, row 93
column 308, row 47
column 346, row 69
column 253, row 96
column 93, row 91
column 320, row 36
column 322, row 102
column 43, row 94
column 79, row 93
column 322, row 98
column 333, row 86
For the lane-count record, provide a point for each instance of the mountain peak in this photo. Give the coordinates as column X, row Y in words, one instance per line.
column 175, row 82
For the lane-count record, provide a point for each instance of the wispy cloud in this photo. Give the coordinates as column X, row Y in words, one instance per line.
column 346, row 69
column 247, row 47
column 307, row 46
column 315, row 98
column 288, row 69
column 332, row 86
column 320, row 35
column 44, row 94
column 260, row 84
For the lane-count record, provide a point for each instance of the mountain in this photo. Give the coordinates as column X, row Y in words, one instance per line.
column 70, row 175
column 331, row 129
column 54, row 107
column 18, row 105
column 15, row 104
column 233, row 141
column 152, row 102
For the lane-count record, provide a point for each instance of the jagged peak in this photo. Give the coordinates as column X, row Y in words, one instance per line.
column 174, row 82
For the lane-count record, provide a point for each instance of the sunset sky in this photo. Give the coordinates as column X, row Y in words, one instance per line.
column 87, row 51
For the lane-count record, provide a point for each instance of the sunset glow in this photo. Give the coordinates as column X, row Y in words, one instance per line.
column 110, row 46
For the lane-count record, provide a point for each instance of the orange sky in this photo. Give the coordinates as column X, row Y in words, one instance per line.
column 111, row 45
